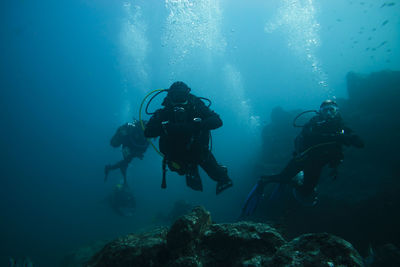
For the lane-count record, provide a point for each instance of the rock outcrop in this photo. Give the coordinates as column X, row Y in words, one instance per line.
column 194, row 241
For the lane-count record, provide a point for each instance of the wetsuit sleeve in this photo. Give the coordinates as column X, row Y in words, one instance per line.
column 154, row 126
column 352, row 139
column 210, row 119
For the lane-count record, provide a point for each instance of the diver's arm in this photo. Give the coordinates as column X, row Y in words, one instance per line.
column 154, row 126
column 352, row 139
column 348, row 137
column 210, row 119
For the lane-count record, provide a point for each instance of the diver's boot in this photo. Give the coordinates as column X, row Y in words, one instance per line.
column 223, row 185
column 224, row 182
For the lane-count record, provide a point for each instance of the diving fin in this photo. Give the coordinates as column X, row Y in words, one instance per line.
column 253, row 199
column 278, row 192
column 257, row 193
column 223, row 185
column 193, row 179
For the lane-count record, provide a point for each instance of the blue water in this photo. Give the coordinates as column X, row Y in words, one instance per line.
column 72, row 71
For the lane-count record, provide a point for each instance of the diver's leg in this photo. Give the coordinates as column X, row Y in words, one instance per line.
column 193, row 179
column 312, row 172
column 216, row 172
column 113, row 166
column 110, row 167
column 293, row 167
column 124, row 167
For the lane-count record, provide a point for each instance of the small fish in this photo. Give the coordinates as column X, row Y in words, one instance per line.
column 338, row 20
column 369, row 38
column 391, row 4
column 389, row 50
column 366, row 49
column 383, row 5
column 382, row 44
column 385, row 22
column 373, row 49
column 374, row 29
column 362, row 3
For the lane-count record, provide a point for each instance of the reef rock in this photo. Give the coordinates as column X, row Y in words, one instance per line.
column 145, row 249
column 194, row 241
column 320, row 249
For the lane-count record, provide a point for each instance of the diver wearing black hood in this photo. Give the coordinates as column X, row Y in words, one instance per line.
column 183, row 125
column 130, row 136
column 319, row 144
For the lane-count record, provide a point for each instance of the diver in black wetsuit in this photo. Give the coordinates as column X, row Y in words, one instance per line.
column 183, row 125
column 319, row 144
column 134, row 144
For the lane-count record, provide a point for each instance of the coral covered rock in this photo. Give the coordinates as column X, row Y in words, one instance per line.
column 231, row 244
column 146, row 249
column 193, row 241
column 317, row 250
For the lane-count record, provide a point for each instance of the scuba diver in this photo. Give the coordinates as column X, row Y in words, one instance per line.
column 319, row 144
column 134, row 144
column 122, row 200
column 183, row 125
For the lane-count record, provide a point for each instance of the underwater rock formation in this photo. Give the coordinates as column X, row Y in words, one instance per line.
column 194, row 241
